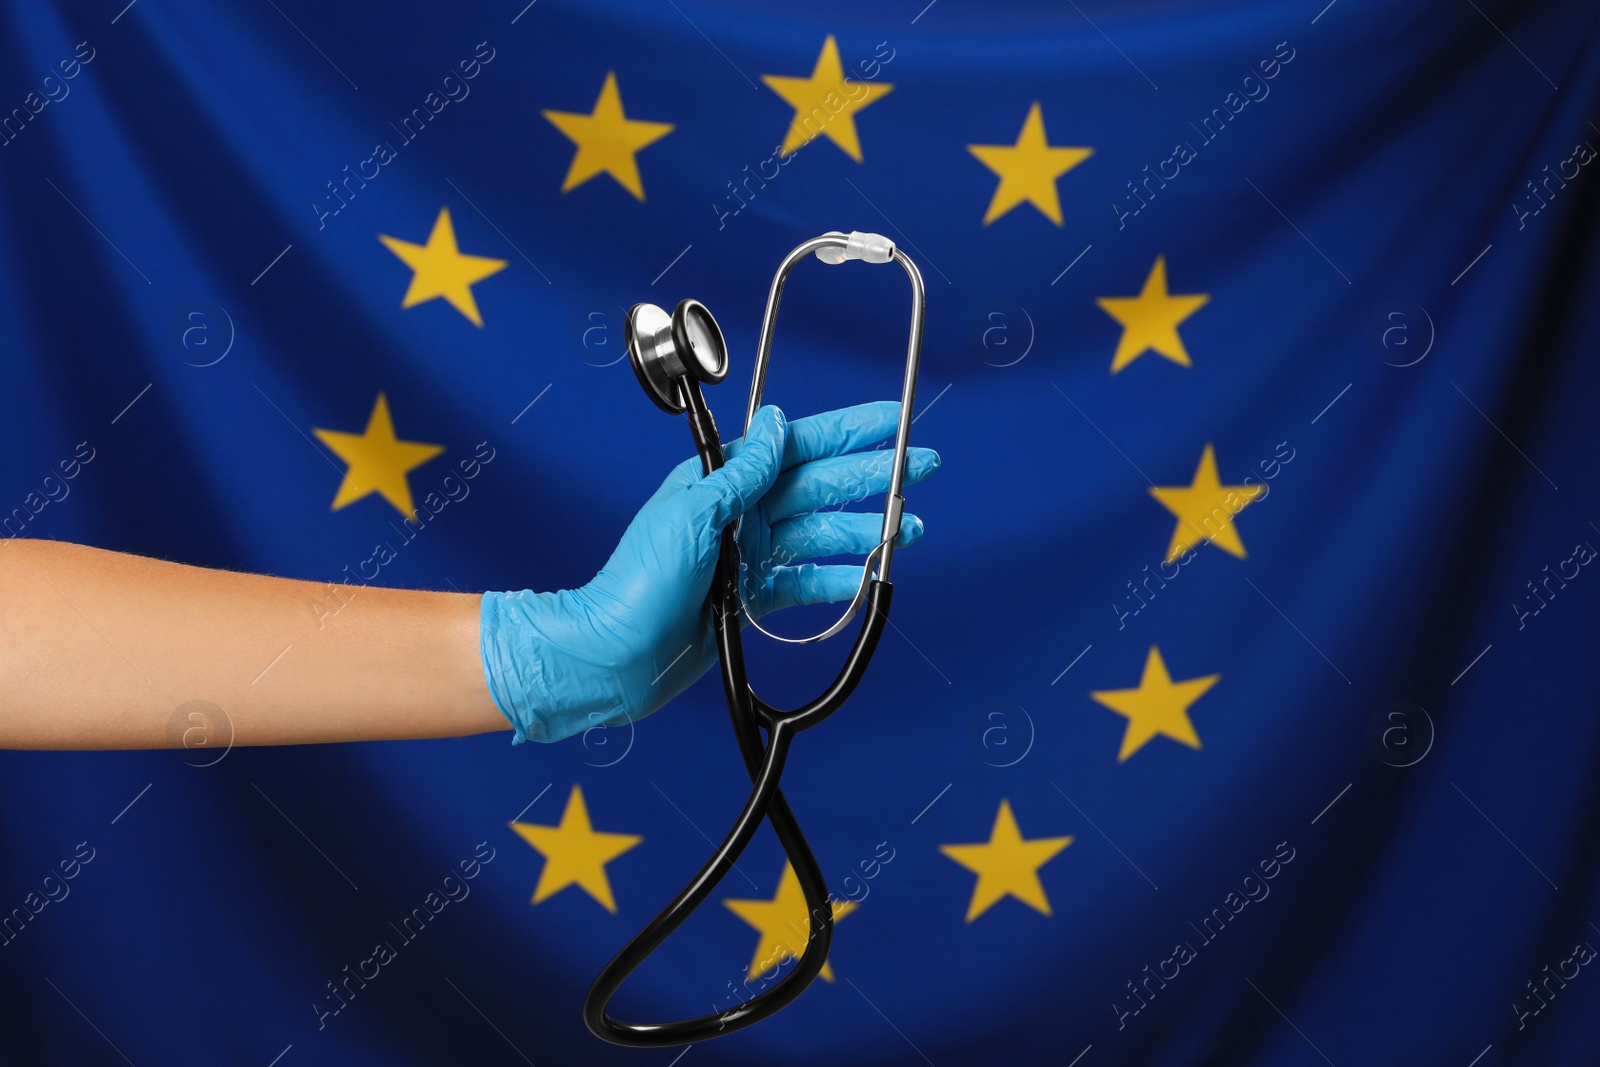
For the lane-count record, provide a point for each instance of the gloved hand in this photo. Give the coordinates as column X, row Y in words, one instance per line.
column 640, row 632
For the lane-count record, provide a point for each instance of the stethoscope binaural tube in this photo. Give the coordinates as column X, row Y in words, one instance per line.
column 671, row 358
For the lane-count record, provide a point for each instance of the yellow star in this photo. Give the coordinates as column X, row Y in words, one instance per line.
column 1028, row 169
column 1150, row 320
column 376, row 461
column 1158, row 706
column 1205, row 509
column 784, row 923
column 825, row 102
column 607, row 140
column 1006, row 865
column 575, row 853
column 440, row 269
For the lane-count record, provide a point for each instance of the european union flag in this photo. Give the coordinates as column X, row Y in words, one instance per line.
column 1239, row 703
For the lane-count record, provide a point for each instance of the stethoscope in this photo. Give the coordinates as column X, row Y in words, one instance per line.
column 672, row 356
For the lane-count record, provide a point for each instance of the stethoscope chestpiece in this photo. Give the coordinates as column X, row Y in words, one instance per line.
column 663, row 348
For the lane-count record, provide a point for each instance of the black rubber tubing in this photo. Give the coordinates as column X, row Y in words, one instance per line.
column 764, row 763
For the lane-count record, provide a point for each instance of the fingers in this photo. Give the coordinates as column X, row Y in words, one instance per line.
column 836, row 533
column 744, row 479
column 811, row 584
column 834, row 433
column 838, row 480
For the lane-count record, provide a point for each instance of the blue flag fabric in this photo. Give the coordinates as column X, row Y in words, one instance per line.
column 1239, row 702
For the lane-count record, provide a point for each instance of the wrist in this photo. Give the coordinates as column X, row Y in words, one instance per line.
column 537, row 676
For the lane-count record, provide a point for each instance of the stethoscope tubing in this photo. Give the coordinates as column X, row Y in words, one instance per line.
column 764, row 763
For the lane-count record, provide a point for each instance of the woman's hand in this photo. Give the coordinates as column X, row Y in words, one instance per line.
column 640, row 632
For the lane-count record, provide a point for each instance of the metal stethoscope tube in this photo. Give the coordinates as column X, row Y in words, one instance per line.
column 671, row 359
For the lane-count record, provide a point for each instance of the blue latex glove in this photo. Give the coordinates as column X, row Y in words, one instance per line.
column 640, row 632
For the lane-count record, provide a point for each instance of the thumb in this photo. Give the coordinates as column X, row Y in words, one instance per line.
column 745, row 478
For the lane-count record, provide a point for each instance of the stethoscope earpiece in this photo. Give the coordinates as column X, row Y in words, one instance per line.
column 663, row 348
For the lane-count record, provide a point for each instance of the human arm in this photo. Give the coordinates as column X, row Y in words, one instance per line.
column 101, row 650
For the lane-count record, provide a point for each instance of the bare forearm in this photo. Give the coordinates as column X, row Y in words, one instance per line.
column 98, row 649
